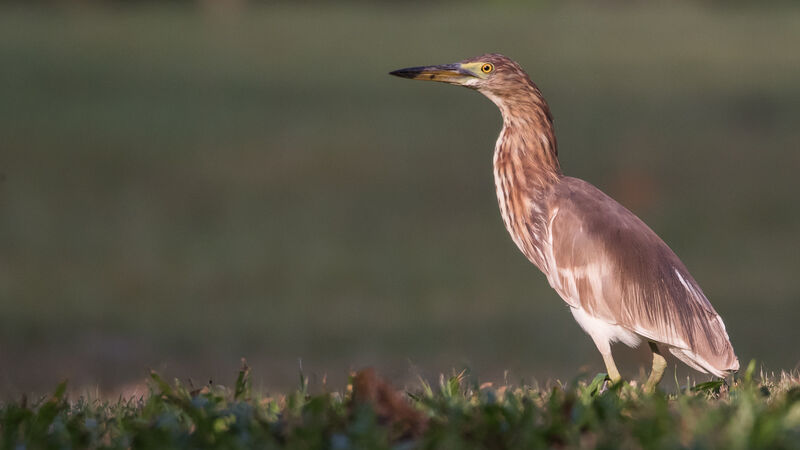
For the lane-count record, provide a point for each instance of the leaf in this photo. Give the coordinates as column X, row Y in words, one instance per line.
column 594, row 387
column 58, row 395
column 242, row 389
column 709, row 386
column 163, row 387
column 427, row 390
column 751, row 368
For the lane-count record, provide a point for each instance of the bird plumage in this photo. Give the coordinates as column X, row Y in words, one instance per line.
column 605, row 261
column 621, row 281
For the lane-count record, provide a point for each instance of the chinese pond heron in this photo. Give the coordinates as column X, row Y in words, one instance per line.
column 619, row 279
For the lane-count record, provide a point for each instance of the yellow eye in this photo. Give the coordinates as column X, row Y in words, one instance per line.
column 486, row 68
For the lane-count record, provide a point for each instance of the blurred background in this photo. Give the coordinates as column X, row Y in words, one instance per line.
column 186, row 184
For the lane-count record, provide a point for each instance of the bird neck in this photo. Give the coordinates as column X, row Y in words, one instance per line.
column 525, row 167
column 527, row 146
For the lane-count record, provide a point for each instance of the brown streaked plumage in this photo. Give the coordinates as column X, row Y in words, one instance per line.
column 620, row 280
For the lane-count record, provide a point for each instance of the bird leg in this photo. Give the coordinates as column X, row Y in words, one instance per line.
column 611, row 368
column 659, row 364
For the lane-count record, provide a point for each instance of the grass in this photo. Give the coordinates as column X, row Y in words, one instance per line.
column 753, row 412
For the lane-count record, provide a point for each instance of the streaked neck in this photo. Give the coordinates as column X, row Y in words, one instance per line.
column 527, row 146
column 525, row 166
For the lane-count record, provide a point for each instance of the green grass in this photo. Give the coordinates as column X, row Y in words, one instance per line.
column 753, row 412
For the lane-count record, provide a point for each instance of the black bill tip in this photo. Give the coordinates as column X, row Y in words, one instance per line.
column 408, row 72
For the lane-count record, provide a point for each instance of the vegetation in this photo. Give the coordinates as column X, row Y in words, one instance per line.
column 753, row 412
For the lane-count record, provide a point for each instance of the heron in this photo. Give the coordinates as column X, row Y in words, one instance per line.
column 621, row 282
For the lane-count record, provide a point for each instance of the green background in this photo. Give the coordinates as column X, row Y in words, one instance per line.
column 187, row 184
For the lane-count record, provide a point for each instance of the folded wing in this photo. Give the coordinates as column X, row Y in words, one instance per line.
column 606, row 261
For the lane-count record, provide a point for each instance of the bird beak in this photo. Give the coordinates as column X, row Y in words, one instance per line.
column 446, row 73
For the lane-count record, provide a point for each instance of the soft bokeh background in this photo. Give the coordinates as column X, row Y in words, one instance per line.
column 187, row 184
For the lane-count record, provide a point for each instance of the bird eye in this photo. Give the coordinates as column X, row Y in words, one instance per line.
column 486, row 68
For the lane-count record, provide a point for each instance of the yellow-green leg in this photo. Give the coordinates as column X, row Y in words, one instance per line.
column 659, row 364
column 611, row 368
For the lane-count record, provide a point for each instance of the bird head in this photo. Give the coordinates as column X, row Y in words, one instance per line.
column 492, row 74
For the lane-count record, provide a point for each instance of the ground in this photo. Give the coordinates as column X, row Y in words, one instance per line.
column 750, row 412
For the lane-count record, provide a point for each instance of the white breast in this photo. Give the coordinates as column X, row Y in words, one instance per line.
column 604, row 333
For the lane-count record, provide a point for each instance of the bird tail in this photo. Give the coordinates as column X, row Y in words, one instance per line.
column 712, row 353
column 720, row 367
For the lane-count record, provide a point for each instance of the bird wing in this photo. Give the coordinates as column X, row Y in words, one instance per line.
column 606, row 261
